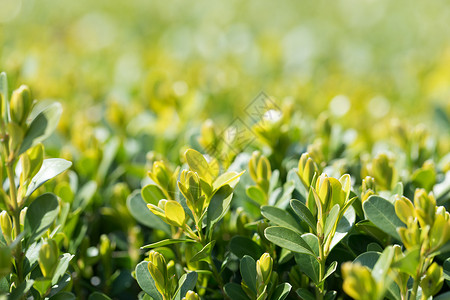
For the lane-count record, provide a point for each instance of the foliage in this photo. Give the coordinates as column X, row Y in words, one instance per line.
column 164, row 174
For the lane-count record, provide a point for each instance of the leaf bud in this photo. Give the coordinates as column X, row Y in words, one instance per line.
column 253, row 165
column 21, row 104
column 16, row 134
column 323, row 188
column 208, row 136
column 105, row 246
column 264, row 268
column 48, row 258
column 410, row 236
column 404, row 209
column 425, row 207
column 439, row 232
column 358, row 281
column 264, row 171
column 190, row 295
column 367, row 188
column 23, row 213
column 190, row 186
column 158, row 270
column 160, row 174
column 6, row 226
column 306, row 169
column 383, row 171
column 432, row 281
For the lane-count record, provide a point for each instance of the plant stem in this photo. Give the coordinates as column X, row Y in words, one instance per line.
column 320, row 290
column 413, row 294
column 16, row 218
column 416, row 283
column 217, row 276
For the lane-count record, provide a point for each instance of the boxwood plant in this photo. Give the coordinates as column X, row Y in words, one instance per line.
column 299, row 212
column 319, row 237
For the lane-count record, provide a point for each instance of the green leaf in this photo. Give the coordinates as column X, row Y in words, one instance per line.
column 368, row 259
column 218, row 206
column 248, row 272
column 70, row 296
column 300, row 189
column 32, row 256
column 331, row 219
column 204, row 254
column 240, row 246
column 283, row 201
column 175, row 214
column 444, row 296
column 424, row 178
column 331, row 295
column 381, row 212
column 146, row 281
column 409, row 263
column 143, row 215
column 61, row 285
column 330, row 269
column 40, row 215
column 383, row 264
column 446, row 267
column 50, row 168
column 285, row 256
column 281, row 291
column 398, row 189
column 167, row 242
column 305, row 294
column 85, row 195
column 374, row 247
column 21, row 290
column 313, row 241
column 152, row 194
column 98, row 296
column 309, row 265
column 42, row 285
column 263, row 294
column 280, row 217
column 187, row 282
column 234, row 291
column 256, row 194
column 288, row 239
column 110, row 149
column 42, row 126
column 228, row 178
column 369, row 228
column 304, row 213
column 343, row 227
column 61, row 269
column 198, row 163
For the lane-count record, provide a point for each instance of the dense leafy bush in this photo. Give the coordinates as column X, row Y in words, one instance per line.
column 163, row 173
column 315, row 220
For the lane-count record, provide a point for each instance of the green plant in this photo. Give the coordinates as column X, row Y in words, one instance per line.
column 31, row 224
column 203, row 200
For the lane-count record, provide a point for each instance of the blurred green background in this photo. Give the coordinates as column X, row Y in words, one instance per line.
column 192, row 60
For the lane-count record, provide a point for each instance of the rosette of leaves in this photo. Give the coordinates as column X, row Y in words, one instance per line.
column 192, row 214
column 259, row 281
column 424, row 230
column 160, row 280
column 261, row 173
column 315, row 226
column 32, row 225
